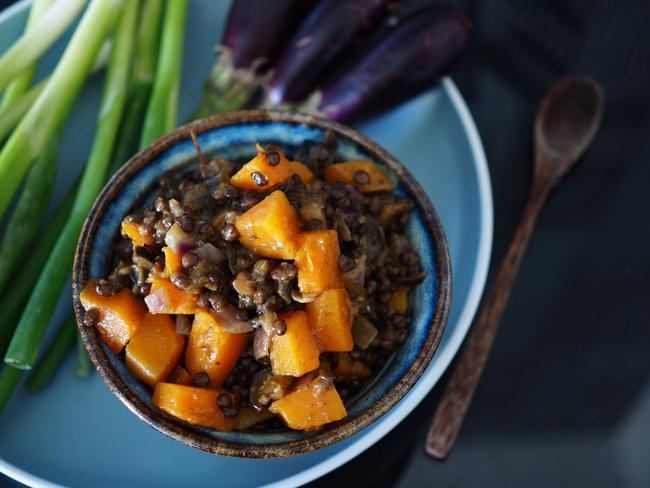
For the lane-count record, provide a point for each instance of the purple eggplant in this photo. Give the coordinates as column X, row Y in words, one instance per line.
column 256, row 30
column 254, row 34
column 409, row 59
column 329, row 30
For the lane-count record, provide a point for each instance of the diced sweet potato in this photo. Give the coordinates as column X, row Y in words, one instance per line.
column 330, row 317
column 192, row 404
column 137, row 233
column 173, row 263
column 297, row 168
column 364, row 174
column 119, row 315
column 270, row 228
column 164, row 297
column 179, row 376
column 212, row 350
column 351, row 369
column 295, row 352
column 154, row 349
column 258, row 170
column 399, row 301
column 317, row 260
column 310, row 406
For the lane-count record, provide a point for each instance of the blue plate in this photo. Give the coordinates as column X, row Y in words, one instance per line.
column 76, row 433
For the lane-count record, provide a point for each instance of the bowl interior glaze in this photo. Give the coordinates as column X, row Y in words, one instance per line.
column 233, row 136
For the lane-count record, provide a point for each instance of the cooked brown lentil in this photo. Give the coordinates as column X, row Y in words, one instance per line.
column 91, row 317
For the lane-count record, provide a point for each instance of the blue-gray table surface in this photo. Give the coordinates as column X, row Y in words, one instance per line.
column 565, row 398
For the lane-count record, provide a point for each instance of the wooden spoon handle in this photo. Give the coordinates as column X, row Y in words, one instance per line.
column 458, row 394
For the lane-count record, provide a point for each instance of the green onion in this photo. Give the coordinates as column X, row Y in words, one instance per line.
column 53, row 105
column 11, row 115
column 9, row 378
column 14, row 299
column 144, row 68
column 163, row 105
column 61, row 344
column 26, row 217
column 27, row 338
column 83, row 361
column 24, row 80
column 38, row 38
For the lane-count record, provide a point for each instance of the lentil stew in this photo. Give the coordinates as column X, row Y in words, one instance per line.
column 260, row 294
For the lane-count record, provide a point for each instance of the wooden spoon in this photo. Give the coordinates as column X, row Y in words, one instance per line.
column 566, row 123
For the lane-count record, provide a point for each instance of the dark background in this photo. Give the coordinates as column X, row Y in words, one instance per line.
column 565, row 398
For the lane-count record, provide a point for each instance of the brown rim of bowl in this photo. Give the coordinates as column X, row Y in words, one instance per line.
column 173, row 427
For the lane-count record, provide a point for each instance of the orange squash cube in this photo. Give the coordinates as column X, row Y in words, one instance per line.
column 370, row 177
column 271, row 175
column 119, row 315
column 330, row 317
column 270, row 228
column 309, row 407
column 173, row 263
column 192, row 404
column 137, row 234
column 297, row 168
column 154, row 349
column 165, row 298
column 179, row 376
column 296, row 351
column 211, row 349
column 399, row 301
column 350, row 369
column 317, row 260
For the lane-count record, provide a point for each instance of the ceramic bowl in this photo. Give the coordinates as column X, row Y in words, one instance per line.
column 233, row 136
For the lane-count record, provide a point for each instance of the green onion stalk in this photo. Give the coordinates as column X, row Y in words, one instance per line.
column 39, row 37
column 23, row 81
column 13, row 300
column 11, row 115
column 28, row 336
column 30, row 208
column 144, row 69
column 47, row 366
column 163, row 105
column 53, row 105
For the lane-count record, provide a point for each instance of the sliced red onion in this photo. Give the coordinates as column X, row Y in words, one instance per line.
column 300, row 298
column 183, row 325
column 243, row 285
column 227, row 317
column 158, row 301
column 323, row 383
column 304, row 380
column 261, row 343
column 210, row 253
column 178, row 240
column 354, row 280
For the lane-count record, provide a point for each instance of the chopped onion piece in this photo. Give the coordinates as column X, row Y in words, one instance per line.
column 158, row 301
column 228, row 319
column 210, row 253
column 300, row 298
column 363, row 332
column 183, row 325
column 261, row 343
column 354, row 280
column 178, row 240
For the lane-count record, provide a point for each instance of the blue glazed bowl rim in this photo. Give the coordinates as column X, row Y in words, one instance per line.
column 327, row 436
